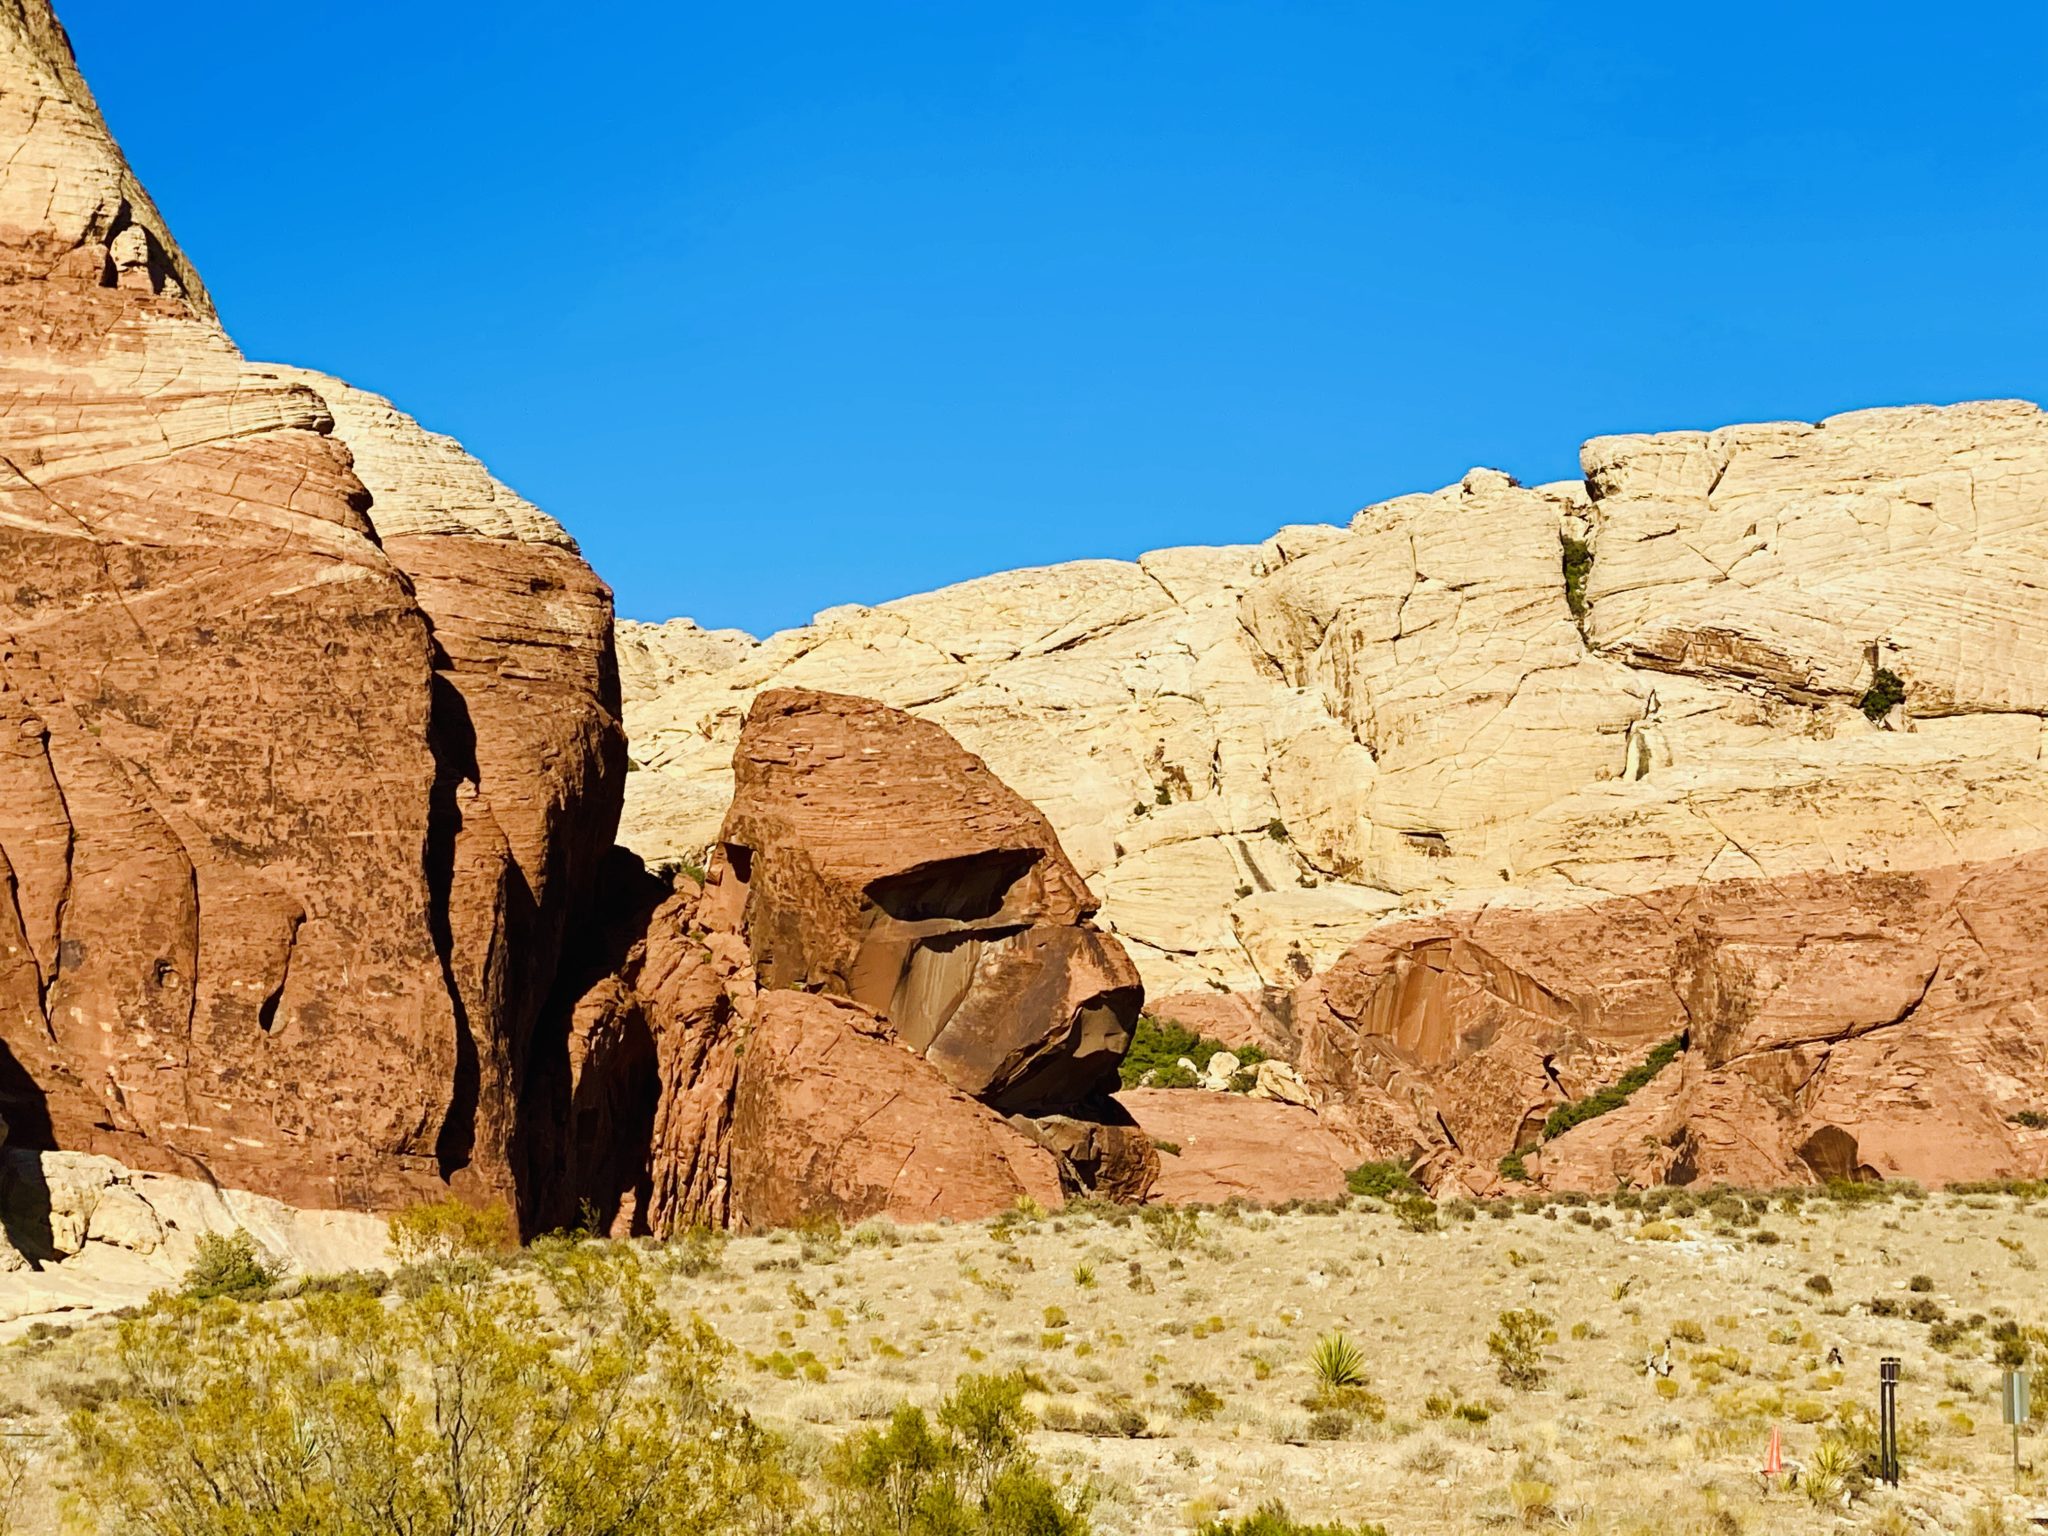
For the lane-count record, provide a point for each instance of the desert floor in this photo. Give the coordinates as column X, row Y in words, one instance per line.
column 1173, row 1354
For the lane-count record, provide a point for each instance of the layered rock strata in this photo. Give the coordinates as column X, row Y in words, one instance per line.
column 1760, row 676
column 308, row 729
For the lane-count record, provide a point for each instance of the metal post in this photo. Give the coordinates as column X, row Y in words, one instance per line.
column 1888, row 1419
column 2013, row 1401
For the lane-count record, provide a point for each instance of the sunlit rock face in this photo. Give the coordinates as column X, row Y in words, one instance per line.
column 309, row 738
column 885, row 999
column 1397, row 798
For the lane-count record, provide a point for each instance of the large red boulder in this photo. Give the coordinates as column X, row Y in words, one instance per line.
column 877, row 858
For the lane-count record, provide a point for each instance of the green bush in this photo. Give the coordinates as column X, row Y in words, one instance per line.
column 1381, row 1180
column 1513, row 1168
column 1578, row 564
column 1417, row 1213
column 1615, row 1094
column 971, row 1475
column 448, row 1229
column 460, row 1409
column 230, row 1266
column 1157, row 1045
column 1517, row 1348
column 1887, row 690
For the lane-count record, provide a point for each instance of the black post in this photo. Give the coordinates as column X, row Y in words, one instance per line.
column 1888, row 1419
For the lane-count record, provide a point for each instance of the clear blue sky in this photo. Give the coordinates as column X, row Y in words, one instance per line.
column 784, row 305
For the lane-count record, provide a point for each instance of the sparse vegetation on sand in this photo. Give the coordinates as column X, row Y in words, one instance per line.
column 1611, row 1365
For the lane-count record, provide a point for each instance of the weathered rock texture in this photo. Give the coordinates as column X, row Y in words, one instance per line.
column 308, row 736
column 1379, row 797
column 889, row 949
column 1227, row 1146
column 81, row 1235
column 883, row 863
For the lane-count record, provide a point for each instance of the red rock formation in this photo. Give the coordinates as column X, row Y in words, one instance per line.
column 304, row 760
column 1838, row 1025
column 881, row 861
column 1229, row 1147
column 889, row 948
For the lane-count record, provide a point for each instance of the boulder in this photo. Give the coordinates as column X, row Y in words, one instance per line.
column 1228, row 1146
column 1279, row 1080
column 874, row 858
column 888, row 955
column 833, row 1116
column 1101, row 1150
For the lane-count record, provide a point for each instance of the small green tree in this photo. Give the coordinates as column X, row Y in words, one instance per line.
column 1381, row 1180
column 1517, row 1347
column 230, row 1265
column 1886, row 692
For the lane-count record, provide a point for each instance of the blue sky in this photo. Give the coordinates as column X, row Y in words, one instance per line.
column 783, row 305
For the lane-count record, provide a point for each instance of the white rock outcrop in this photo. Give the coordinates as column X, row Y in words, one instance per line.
column 1257, row 754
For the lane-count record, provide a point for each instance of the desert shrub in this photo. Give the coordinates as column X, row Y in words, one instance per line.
column 1517, row 1347
column 1534, row 1500
column 2010, row 1346
column 1920, row 1283
column 439, row 1230
column 347, row 1282
column 459, row 1410
column 1615, row 1094
column 1417, row 1213
column 1198, row 1400
column 1381, row 1180
column 1887, row 690
column 1172, row 1229
column 1578, row 564
column 2032, row 1119
column 1337, row 1362
column 971, row 1474
column 1687, row 1331
column 1273, row 1519
column 229, row 1265
column 697, row 1252
column 1820, row 1285
column 1513, row 1168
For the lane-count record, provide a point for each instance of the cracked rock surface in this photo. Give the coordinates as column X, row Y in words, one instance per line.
column 1308, row 768
column 309, row 737
column 886, row 998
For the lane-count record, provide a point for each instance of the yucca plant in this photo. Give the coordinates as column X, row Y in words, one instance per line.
column 1338, row 1363
column 1828, row 1473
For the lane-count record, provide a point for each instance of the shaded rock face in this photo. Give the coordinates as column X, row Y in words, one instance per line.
column 308, row 728
column 889, row 955
column 877, row 859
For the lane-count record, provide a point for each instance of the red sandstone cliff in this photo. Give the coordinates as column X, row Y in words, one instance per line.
column 308, row 729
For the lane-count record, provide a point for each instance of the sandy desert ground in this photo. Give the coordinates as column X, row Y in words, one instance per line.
column 1171, row 1355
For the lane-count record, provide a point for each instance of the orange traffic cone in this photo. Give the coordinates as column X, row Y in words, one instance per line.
column 1774, row 1458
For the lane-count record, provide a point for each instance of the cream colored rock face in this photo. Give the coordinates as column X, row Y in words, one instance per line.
column 1255, row 754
